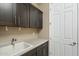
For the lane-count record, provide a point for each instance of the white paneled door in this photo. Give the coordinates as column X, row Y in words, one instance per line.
column 63, row 29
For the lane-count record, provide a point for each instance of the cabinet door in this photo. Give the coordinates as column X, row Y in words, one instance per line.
column 22, row 14
column 40, row 51
column 40, row 19
column 15, row 20
column 43, row 50
column 6, row 14
column 33, row 16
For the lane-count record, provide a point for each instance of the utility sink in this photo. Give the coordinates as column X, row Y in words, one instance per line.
column 13, row 50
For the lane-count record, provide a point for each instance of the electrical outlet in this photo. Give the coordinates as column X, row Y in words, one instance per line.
column 19, row 29
column 33, row 33
column 6, row 28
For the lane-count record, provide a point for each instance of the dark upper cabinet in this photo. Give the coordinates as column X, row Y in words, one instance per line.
column 39, row 20
column 35, row 17
column 22, row 14
column 15, row 20
column 6, row 14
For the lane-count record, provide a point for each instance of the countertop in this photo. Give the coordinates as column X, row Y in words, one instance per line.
column 34, row 42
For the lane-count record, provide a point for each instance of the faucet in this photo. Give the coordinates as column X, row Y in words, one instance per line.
column 13, row 41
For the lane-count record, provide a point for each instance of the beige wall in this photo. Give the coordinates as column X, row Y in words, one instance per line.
column 13, row 32
column 37, row 5
column 44, row 33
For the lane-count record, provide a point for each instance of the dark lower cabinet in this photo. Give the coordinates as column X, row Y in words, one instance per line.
column 45, row 50
column 41, row 50
column 31, row 53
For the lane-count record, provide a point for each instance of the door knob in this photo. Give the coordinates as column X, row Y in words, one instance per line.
column 73, row 44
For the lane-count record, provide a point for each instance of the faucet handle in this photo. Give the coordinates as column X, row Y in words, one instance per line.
column 15, row 39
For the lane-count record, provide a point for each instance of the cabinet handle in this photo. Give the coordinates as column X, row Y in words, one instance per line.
column 15, row 19
column 19, row 19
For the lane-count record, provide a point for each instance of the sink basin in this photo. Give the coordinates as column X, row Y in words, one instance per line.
column 12, row 50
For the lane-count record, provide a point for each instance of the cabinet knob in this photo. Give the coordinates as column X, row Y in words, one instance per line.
column 19, row 18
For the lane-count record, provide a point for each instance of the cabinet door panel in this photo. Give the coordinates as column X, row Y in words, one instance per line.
column 40, row 51
column 15, row 20
column 6, row 14
column 43, row 50
column 33, row 17
column 23, row 15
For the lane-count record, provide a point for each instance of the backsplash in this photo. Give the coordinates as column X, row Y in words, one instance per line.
column 7, row 33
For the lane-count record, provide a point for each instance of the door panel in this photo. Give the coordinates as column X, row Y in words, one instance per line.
column 64, row 29
column 68, row 49
column 68, row 25
column 70, row 28
column 58, row 48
